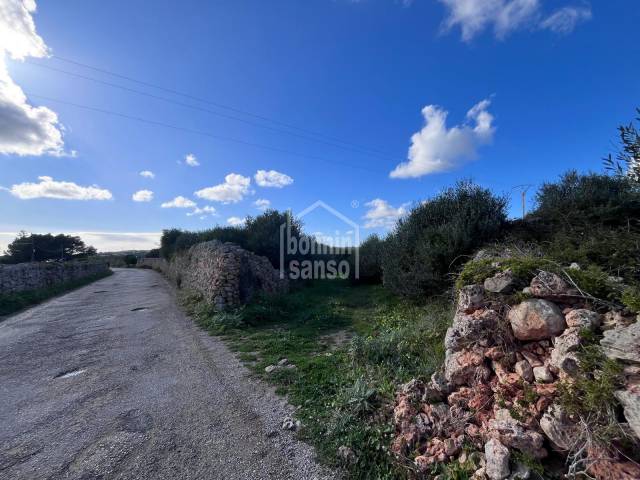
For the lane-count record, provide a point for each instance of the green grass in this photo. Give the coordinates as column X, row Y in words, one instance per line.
column 13, row 302
column 345, row 392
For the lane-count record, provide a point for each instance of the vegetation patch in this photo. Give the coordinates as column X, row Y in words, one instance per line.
column 13, row 302
column 344, row 392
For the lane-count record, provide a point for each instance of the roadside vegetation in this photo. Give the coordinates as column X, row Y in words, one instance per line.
column 16, row 301
column 351, row 347
column 353, row 342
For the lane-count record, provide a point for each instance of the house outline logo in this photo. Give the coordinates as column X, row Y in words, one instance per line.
column 285, row 227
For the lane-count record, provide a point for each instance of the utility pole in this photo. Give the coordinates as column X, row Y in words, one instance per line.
column 523, row 194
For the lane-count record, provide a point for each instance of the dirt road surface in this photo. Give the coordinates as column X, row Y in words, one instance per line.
column 112, row 381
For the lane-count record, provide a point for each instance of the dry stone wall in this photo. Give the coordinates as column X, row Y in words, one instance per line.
column 225, row 274
column 30, row 276
column 499, row 387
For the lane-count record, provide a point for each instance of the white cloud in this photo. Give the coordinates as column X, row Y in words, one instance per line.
column 203, row 212
column 47, row 187
column 142, row 196
column 272, row 178
column 147, row 174
column 191, row 160
column 26, row 130
column 103, row 241
column 262, row 204
column 235, row 221
column 179, row 202
column 381, row 214
column 437, row 148
column 506, row 16
column 564, row 20
column 234, row 188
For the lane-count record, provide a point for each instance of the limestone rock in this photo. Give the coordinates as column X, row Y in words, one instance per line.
column 605, row 467
column 558, row 429
column 623, row 343
column 501, row 282
column 523, row 368
column 548, row 284
column 583, row 318
column 536, row 319
column 290, row 424
column 616, row 319
column 478, row 327
column 562, row 355
column 542, row 374
column 630, row 401
column 497, row 458
column 470, row 298
column 465, row 367
column 514, row 434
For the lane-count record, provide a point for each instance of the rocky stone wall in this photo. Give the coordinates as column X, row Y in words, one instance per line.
column 31, row 276
column 498, row 390
column 223, row 273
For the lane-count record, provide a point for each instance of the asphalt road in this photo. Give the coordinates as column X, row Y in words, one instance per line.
column 112, row 381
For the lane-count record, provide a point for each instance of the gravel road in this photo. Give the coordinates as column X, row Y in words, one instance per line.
column 112, row 381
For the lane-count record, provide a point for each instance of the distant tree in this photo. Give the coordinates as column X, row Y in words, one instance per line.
column 36, row 247
column 627, row 160
column 153, row 253
column 130, row 260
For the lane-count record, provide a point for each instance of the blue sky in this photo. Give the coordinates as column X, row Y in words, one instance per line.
column 532, row 88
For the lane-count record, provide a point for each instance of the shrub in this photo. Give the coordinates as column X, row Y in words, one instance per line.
column 130, row 260
column 589, row 219
column 263, row 233
column 260, row 235
column 582, row 202
column 437, row 235
column 369, row 260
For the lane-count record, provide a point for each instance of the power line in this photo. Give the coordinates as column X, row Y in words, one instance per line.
column 217, row 104
column 200, row 132
column 206, row 110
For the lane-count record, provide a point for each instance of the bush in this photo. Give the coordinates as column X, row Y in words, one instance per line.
column 436, row 236
column 260, row 235
column 583, row 202
column 369, row 261
column 263, row 233
column 588, row 219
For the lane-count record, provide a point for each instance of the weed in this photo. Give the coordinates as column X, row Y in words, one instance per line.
column 344, row 393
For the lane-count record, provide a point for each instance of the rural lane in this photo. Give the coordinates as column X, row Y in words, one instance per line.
column 113, row 381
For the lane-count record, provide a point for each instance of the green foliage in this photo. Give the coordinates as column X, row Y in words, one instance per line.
column 631, row 298
column 627, row 162
column 591, row 280
column 529, row 461
column 587, row 201
column 36, row 247
column 369, row 260
column 260, row 235
column 402, row 349
column 130, row 260
column 263, row 233
column 434, row 238
column 588, row 219
column 153, row 253
column 524, row 269
column 13, row 302
column 342, row 389
column 591, row 393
